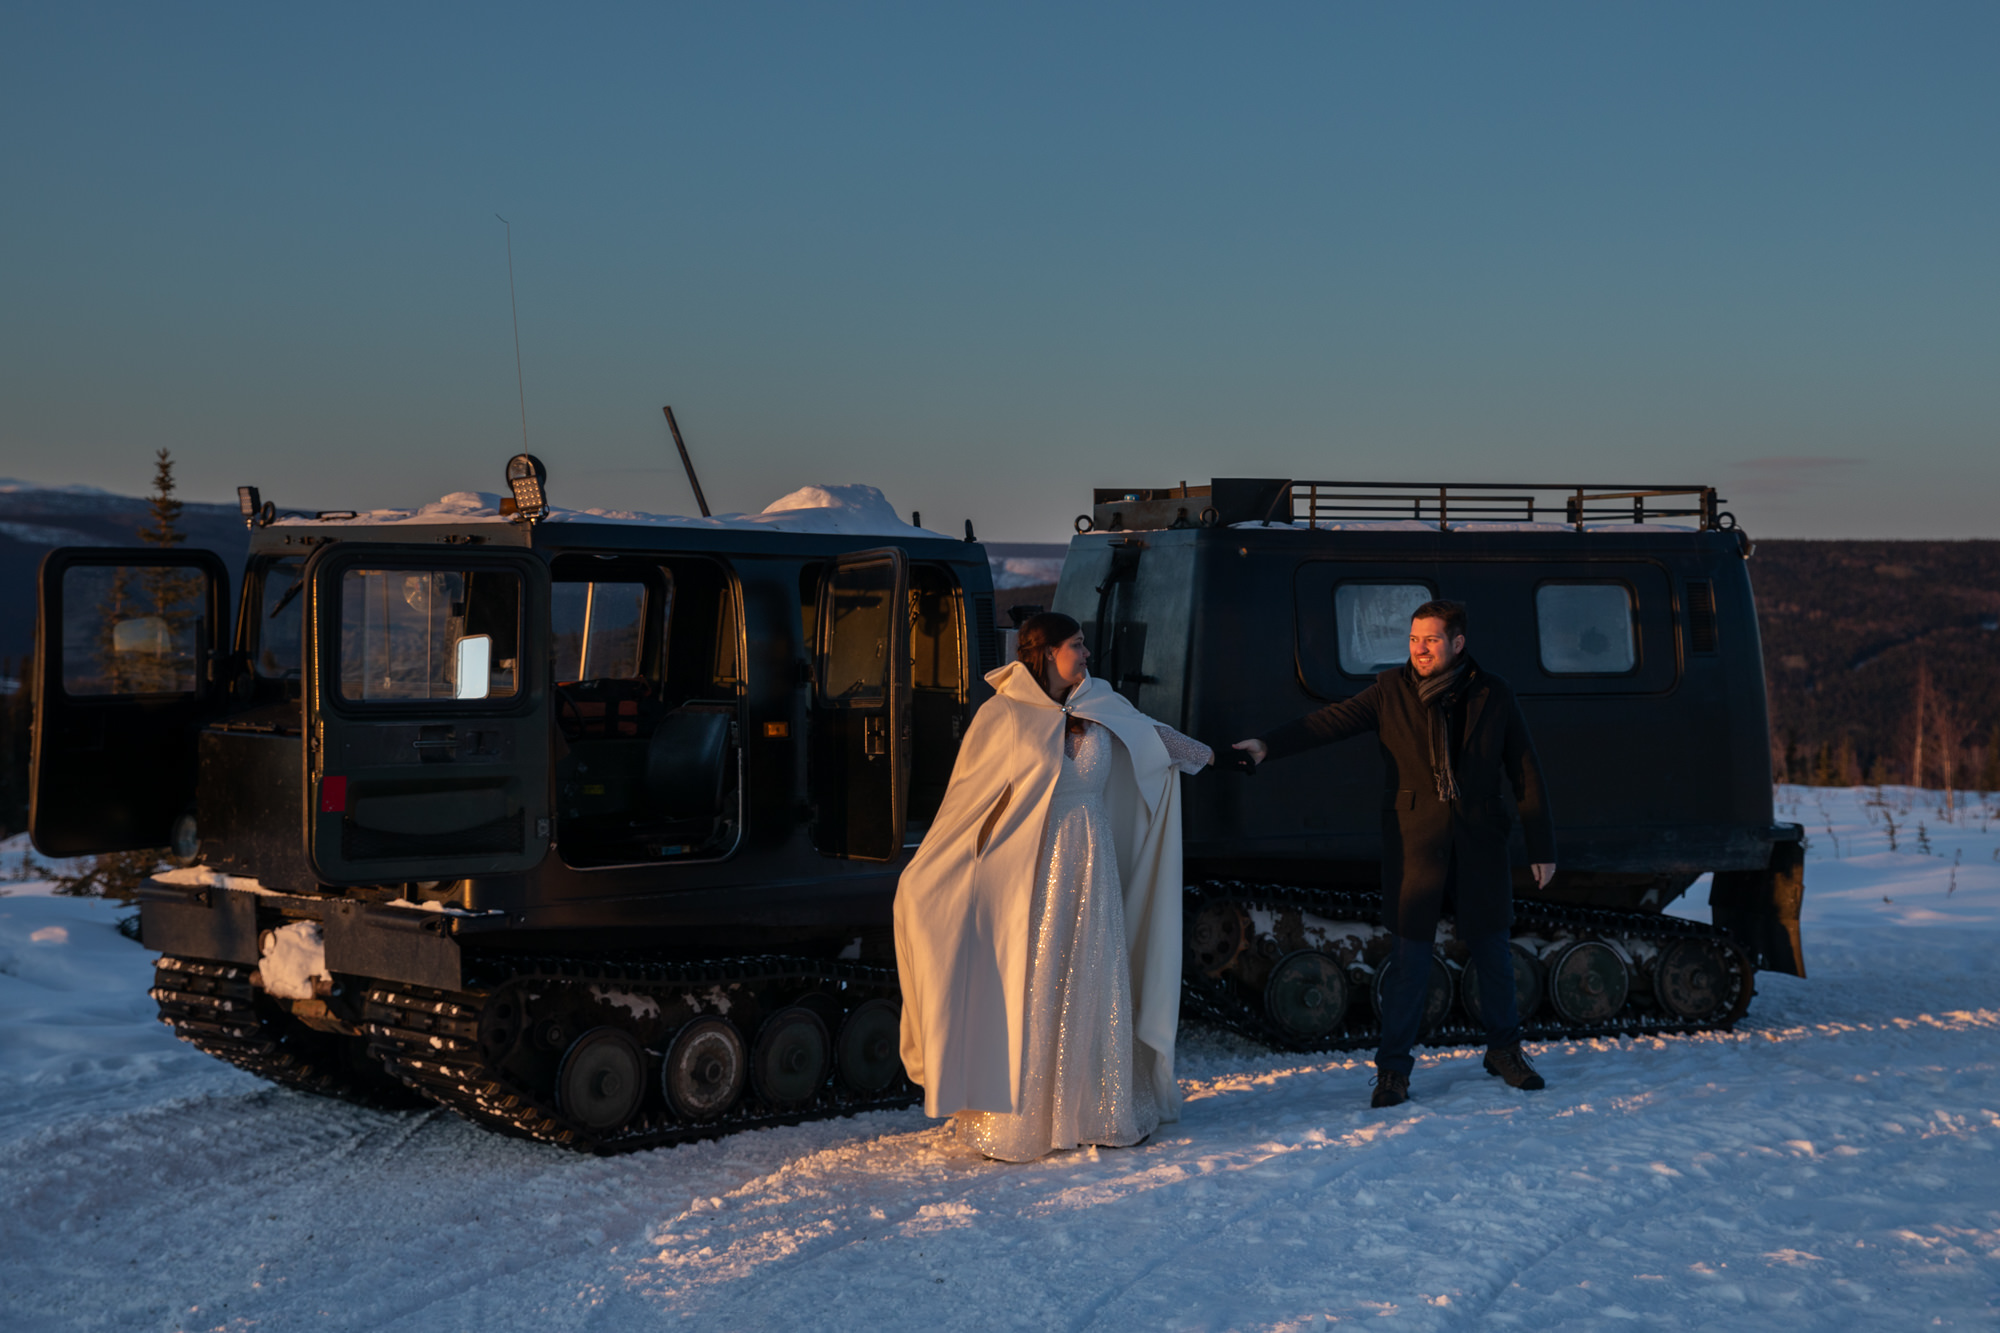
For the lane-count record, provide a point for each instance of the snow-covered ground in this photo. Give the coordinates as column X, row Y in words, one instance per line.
column 1831, row 1165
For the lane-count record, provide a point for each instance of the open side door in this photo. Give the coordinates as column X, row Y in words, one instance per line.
column 427, row 713
column 128, row 666
column 860, row 752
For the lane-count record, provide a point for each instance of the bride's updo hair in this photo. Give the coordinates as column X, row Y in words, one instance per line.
column 1039, row 637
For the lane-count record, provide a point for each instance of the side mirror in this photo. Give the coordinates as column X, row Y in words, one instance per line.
column 143, row 634
column 474, row 666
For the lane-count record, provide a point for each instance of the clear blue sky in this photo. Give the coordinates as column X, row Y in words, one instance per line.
column 989, row 258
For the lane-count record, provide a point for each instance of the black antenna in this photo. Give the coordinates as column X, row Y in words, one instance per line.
column 686, row 462
column 520, row 382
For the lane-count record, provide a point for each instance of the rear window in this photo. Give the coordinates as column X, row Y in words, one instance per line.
column 1586, row 629
column 1373, row 621
column 401, row 633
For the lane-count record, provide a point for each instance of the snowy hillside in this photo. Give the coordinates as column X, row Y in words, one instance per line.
column 1832, row 1164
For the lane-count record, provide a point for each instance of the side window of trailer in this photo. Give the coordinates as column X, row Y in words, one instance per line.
column 1373, row 622
column 1585, row 628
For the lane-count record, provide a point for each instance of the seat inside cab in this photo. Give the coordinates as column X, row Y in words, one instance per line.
column 647, row 676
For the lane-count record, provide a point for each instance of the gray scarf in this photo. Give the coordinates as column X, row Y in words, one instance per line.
column 1440, row 694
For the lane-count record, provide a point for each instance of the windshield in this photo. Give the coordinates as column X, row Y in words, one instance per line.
column 280, row 621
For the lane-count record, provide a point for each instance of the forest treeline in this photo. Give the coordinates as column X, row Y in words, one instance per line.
column 1882, row 659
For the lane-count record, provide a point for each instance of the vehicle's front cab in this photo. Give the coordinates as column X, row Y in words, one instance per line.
column 519, row 731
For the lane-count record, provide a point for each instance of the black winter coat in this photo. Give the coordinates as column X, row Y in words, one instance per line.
column 1420, row 833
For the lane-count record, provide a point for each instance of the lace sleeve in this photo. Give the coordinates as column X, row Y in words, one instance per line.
column 1188, row 754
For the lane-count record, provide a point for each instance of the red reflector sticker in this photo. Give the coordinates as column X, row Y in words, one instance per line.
column 332, row 795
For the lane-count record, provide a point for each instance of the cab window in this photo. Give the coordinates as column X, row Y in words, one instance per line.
column 408, row 635
column 280, row 620
column 1373, row 624
column 599, row 629
column 855, row 659
column 1586, row 629
column 938, row 684
column 646, row 661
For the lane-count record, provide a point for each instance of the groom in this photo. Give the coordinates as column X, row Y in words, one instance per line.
column 1449, row 732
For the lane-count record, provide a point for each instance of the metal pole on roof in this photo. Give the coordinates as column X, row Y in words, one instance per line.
column 686, row 462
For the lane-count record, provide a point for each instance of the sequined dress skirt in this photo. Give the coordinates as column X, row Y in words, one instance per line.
column 1082, row 1080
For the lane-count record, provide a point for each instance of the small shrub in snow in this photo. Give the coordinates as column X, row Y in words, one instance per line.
column 113, row 875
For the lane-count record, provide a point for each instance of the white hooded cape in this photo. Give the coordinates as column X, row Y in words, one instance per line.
column 963, row 904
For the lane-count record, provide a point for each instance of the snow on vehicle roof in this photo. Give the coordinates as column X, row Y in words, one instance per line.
column 851, row 510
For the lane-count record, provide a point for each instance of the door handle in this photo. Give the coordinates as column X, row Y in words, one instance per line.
column 434, row 744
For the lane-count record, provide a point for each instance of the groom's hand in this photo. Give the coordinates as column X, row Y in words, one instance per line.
column 1246, row 755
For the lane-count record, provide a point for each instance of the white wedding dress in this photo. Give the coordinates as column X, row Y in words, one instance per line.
column 1083, row 1079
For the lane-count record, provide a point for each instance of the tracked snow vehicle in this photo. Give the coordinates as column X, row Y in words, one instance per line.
column 1623, row 619
column 582, row 825
column 588, row 826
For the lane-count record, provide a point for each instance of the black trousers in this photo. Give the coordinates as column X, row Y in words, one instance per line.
column 1408, row 984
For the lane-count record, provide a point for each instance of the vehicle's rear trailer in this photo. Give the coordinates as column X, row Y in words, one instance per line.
column 1633, row 645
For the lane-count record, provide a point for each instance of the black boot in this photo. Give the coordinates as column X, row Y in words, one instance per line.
column 1509, row 1063
column 1391, row 1089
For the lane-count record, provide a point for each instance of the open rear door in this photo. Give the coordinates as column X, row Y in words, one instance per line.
column 127, row 667
column 427, row 730
column 861, row 707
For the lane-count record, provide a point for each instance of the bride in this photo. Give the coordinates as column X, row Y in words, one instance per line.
column 1038, row 928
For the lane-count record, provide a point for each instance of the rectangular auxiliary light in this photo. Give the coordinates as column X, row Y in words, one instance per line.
column 527, row 478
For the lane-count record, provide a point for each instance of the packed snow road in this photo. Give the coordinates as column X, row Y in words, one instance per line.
column 1832, row 1164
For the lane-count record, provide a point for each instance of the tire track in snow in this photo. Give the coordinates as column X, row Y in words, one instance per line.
column 210, row 1199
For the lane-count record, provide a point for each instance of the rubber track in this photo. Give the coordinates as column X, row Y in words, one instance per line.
column 430, row 1039
column 1215, row 1000
column 214, row 1008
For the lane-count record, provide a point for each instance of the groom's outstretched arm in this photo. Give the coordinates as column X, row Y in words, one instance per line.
column 1336, row 722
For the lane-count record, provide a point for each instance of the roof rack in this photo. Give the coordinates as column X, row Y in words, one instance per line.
column 1487, row 502
column 1314, row 504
